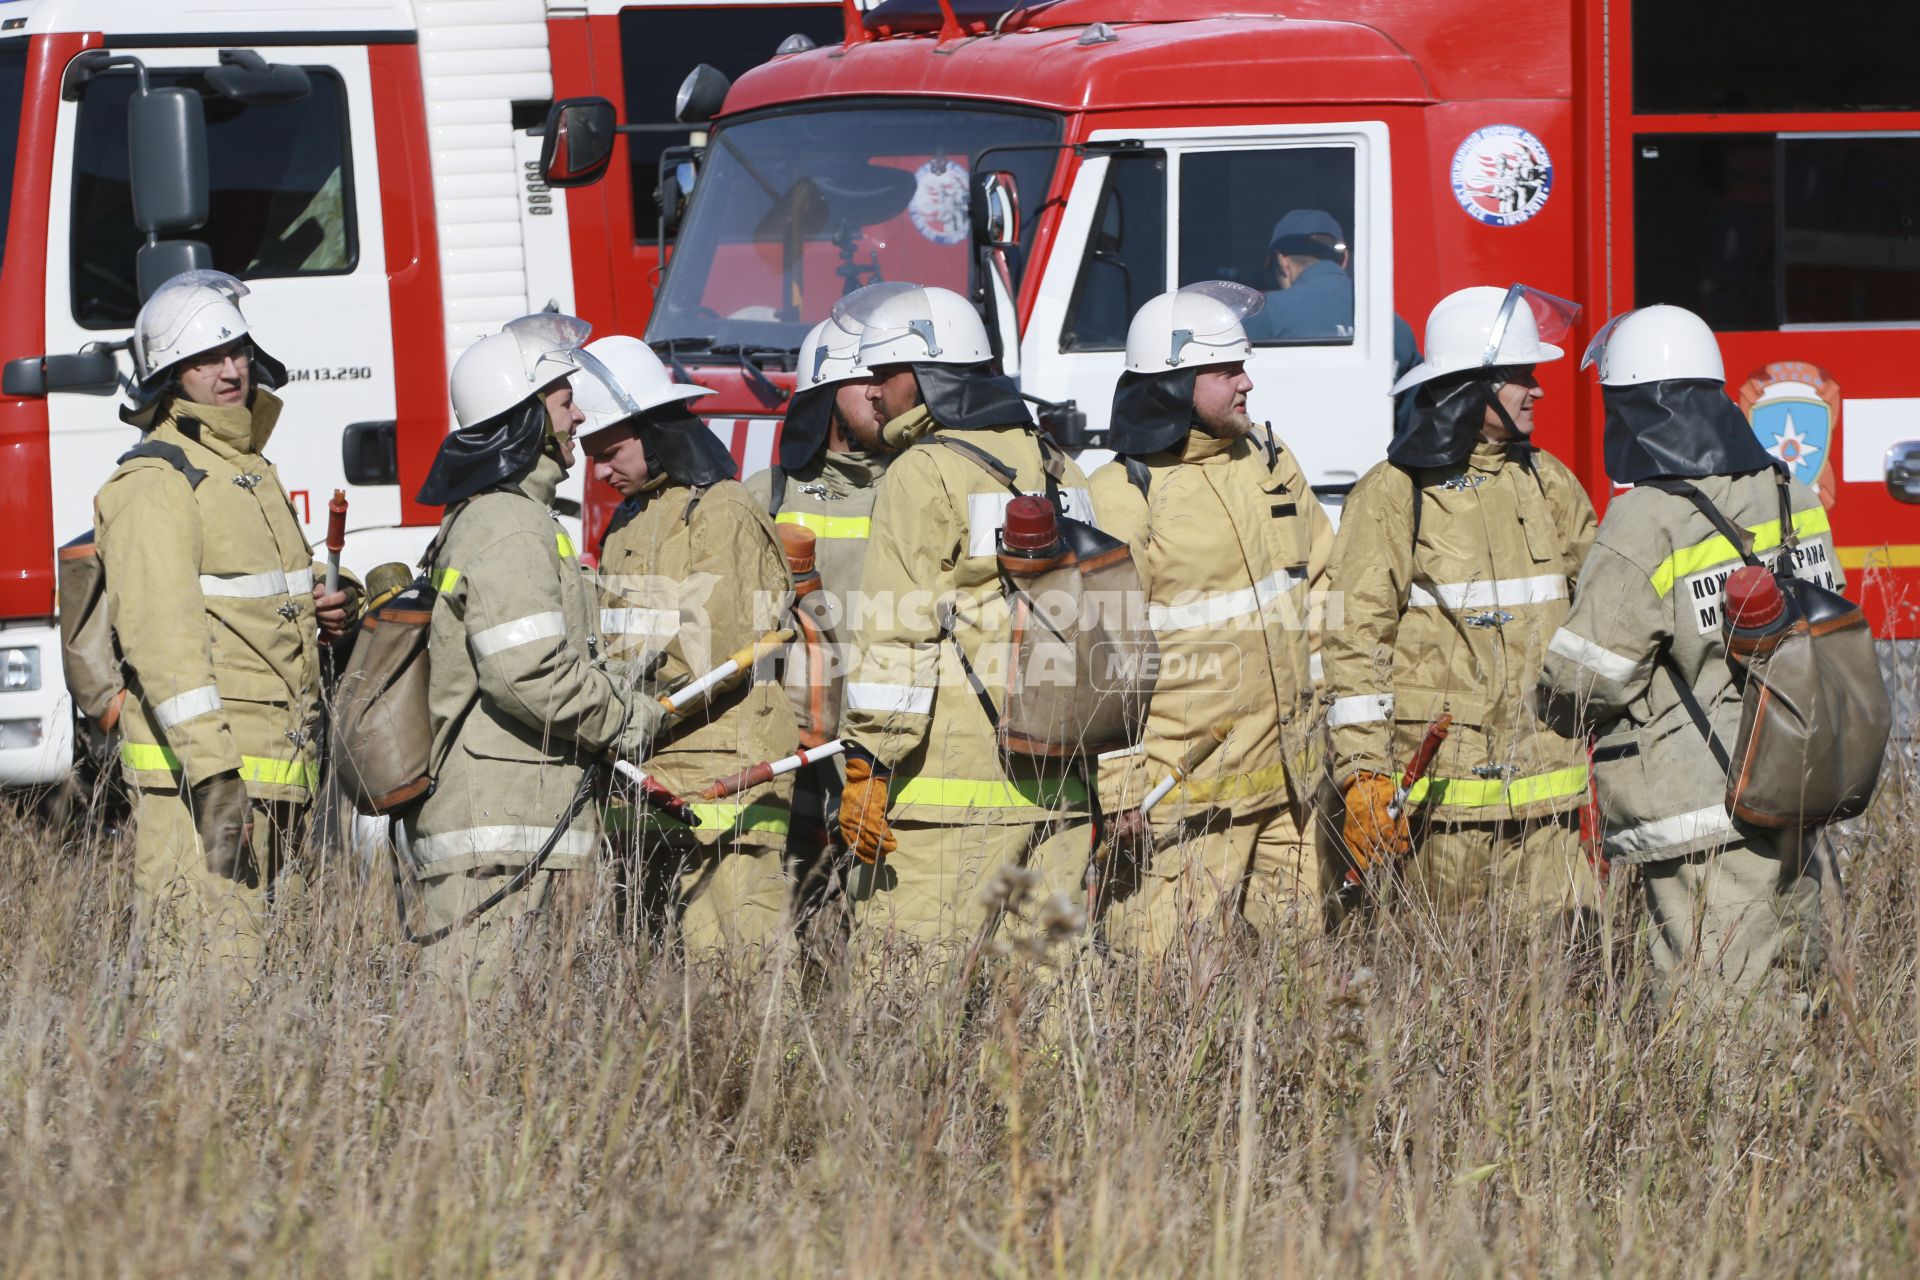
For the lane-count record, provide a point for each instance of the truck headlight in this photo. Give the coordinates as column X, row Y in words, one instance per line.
column 20, row 670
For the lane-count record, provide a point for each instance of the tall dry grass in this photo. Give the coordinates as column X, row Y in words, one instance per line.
column 1421, row 1098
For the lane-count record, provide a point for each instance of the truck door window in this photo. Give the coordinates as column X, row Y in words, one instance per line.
column 1126, row 255
column 13, row 80
column 658, row 46
column 1231, row 204
column 281, row 199
column 1758, row 230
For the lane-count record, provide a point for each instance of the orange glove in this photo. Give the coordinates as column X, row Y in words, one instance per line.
column 1372, row 836
column 863, row 813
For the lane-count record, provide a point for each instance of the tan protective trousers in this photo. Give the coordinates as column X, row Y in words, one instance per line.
column 1540, row 863
column 927, row 893
column 1213, row 871
column 733, row 895
column 192, row 923
column 1725, row 925
column 474, row 961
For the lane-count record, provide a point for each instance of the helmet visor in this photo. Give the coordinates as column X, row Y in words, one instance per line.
column 1597, row 349
column 602, row 395
column 172, row 307
column 549, row 345
column 1553, row 320
column 886, row 312
column 1211, row 312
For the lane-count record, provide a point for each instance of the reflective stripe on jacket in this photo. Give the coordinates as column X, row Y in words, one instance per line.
column 1653, row 584
column 1457, row 623
column 833, row 498
column 210, row 589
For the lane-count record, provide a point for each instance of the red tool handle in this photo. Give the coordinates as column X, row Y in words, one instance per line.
column 1429, row 747
column 735, row 783
column 337, row 522
column 657, row 796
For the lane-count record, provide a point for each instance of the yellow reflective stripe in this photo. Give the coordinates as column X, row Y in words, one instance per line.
column 147, row 757
column 445, row 579
column 968, row 793
column 1477, row 793
column 1233, row 787
column 828, row 526
column 1898, row 555
column 565, row 544
column 770, row 818
column 1716, row 550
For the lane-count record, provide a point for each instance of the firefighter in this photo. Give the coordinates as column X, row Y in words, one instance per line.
column 831, row 460
column 1732, row 906
column 932, row 808
column 1228, row 538
column 694, row 572
column 212, row 591
column 1453, row 568
column 520, row 708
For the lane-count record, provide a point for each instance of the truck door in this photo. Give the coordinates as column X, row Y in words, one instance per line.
column 1173, row 207
column 295, row 211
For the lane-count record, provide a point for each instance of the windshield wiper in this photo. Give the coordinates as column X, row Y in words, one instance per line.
column 748, row 355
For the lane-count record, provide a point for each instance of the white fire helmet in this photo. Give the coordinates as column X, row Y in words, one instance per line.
column 1655, row 344
column 623, row 378
column 1486, row 327
column 1194, row 326
column 902, row 323
column 193, row 312
column 523, row 359
column 830, row 353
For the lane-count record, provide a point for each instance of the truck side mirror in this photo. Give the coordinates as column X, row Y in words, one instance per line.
column 167, row 157
column 995, row 208
column 159, row 261
column 1066, row 422
column 249, row 79
column 1903, row 471
column 577, row 146
column 701, row 95
column 679, row 170
column 90, row 373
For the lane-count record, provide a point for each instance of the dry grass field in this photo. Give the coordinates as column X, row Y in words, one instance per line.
column 1414, row 1098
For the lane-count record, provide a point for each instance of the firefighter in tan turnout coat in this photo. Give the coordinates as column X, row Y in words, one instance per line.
column 932, row 806
column 1733, row 906
column 1453, row 568
column 211, row 588
column 1229, row 540
column 691, row 572
column 520, row 706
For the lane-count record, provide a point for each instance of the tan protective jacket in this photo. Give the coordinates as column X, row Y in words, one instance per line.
column 1229, row 541
column 518, row 703
column 1457, row 622
column 211, row 592
column 699, row 573
column 909, row 702
column 834, row 498
column 1653, row 585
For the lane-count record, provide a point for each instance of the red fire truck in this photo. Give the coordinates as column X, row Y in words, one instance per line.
column 1062, row 162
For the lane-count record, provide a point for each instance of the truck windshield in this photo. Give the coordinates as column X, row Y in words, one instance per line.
column 795, row 209
column 13, row 80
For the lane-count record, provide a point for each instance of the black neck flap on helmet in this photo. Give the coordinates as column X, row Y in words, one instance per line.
column 809, row 418
column 1682, row 428
column 1152, row 412
column 501, row 450
column 678, row 444
column 1447, row 416
column 971, row 397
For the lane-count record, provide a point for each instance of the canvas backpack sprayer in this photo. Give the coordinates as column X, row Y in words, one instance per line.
column 1815, row 715
column 1080, row 654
